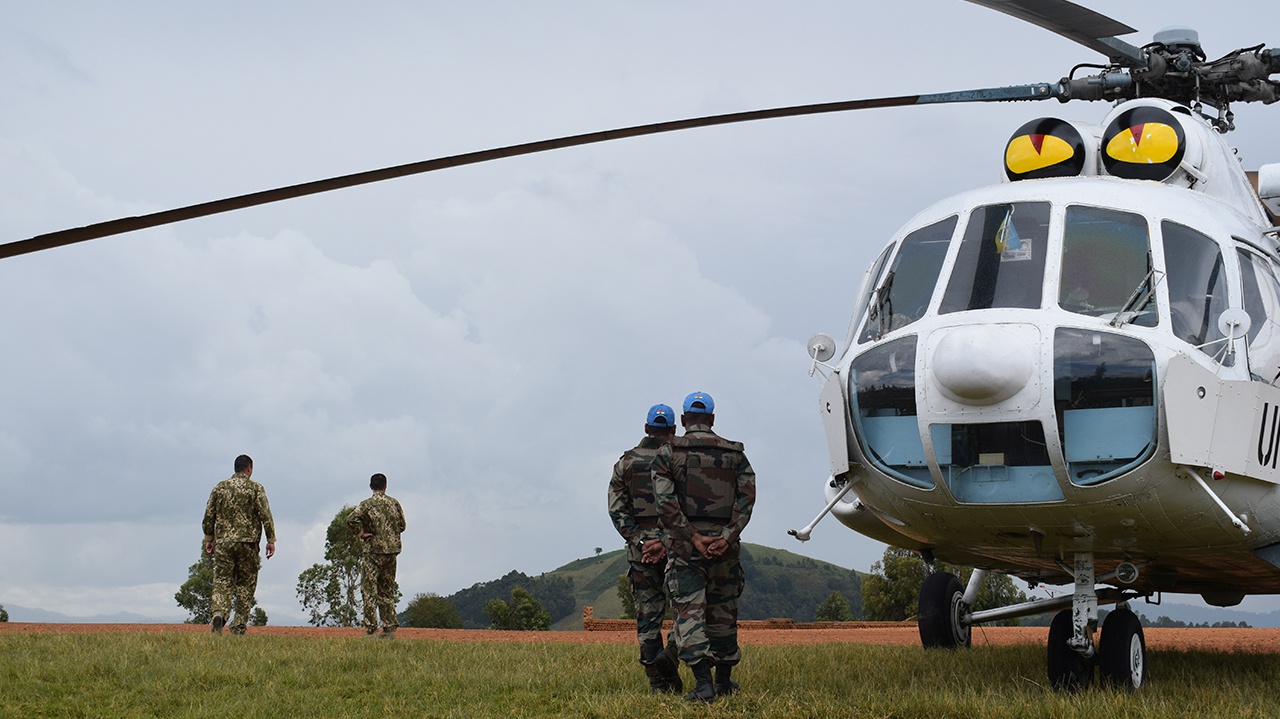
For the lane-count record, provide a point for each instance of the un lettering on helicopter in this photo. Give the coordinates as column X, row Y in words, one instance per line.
column 1070, row 376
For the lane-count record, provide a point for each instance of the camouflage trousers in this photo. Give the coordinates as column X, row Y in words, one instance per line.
column 704, row 596
column 651, row 604
column 235, row 578
column 378, row 589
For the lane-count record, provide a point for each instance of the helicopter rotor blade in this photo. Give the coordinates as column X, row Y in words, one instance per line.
column 140, row 222
column 1080, row 24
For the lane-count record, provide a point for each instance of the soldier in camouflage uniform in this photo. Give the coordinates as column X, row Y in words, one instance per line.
column 378, row 521
column 234, row 519
column 635, row 515
column 706, row 490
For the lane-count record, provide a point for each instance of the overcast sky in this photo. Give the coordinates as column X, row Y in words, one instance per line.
column 488, row 337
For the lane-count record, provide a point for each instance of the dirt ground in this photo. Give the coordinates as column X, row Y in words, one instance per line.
column 1258, row 641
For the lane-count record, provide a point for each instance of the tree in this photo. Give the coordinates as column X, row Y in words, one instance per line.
column 329, row 591
column 892, row 591
column 835, row 609
column 524, row 613
column 196, row 594
column 258, row 617
column 431, row 610
column 4, row 616
column 599, row 550
column 627, row 596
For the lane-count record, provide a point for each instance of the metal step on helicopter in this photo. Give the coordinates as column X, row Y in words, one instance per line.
column 1068, row 377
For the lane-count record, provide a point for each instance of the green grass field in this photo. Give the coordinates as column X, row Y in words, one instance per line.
column 196, row 675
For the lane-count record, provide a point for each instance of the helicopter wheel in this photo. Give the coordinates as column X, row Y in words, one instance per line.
column 1123, row 651
column 1068, row 670
column 941, row 612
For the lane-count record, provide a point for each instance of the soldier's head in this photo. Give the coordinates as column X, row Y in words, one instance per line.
column 244, row 464
column 378, row 482
column 660, row 422
column 699, row 408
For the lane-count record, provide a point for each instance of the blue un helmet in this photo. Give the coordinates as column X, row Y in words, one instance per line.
column 699, row 403
column 661, row 416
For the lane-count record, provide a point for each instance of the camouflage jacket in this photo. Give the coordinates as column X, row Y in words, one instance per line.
column 382, row 517
column 632, row 506
column 237, row 511
column 703, row 484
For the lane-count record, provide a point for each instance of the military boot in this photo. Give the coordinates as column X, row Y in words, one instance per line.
column 724, row 685
column 388, row 633
column 657, row 682
column 218, row 623
column 705, row 690
column 669, row 667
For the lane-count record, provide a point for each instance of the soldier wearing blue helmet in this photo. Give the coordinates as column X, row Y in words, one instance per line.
column 635, row 515
column 706, row 491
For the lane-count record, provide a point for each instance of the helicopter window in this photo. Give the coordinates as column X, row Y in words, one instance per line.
column 1005, row 462
column 864, row 296
column 1104, row 396
column 904, row 292
column 1262, row 302
column 1106, row 265
column 884, row 400
column 1197, row 286
column 1001, row 259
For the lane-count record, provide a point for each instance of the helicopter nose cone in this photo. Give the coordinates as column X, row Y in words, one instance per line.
column 981, row 365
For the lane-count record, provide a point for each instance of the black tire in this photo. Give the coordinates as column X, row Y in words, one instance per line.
column 1068, row 671
column 1123, row 654
column 940, row 611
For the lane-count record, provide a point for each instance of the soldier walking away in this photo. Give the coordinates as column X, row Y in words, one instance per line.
column 234, row 519
column 706, row 490
column 378, row 521
column 635, row 515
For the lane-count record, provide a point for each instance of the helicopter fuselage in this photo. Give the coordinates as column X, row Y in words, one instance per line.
column 1036, row 369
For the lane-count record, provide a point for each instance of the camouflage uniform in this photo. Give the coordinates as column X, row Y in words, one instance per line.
column 705, row 485
column 234, row 519
column 635, row 515
column 382, row 517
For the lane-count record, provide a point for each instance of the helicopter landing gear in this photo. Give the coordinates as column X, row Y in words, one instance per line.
column 1123, row 654
column 942, row 612
column 1071, row 652
column 1068, row 669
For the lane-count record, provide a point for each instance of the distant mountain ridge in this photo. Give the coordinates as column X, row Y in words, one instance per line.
column 780, row 584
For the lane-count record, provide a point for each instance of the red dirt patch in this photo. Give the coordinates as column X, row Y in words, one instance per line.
column 1257, row 641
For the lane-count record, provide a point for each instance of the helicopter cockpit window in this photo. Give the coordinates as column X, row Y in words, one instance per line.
column 998, row 462
column 867, row 291
column 1104, row 396
column 1001, row 259
column 884, row 400
column 1106, row 266
column 1197, row 286
column 1262, row 302
column 905, row 290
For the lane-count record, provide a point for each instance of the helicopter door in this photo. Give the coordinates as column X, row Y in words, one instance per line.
column 1261, row 294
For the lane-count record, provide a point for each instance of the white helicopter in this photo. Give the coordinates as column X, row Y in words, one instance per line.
column 1070, row 377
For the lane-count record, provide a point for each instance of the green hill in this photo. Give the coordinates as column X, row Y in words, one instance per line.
column 780, row 584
